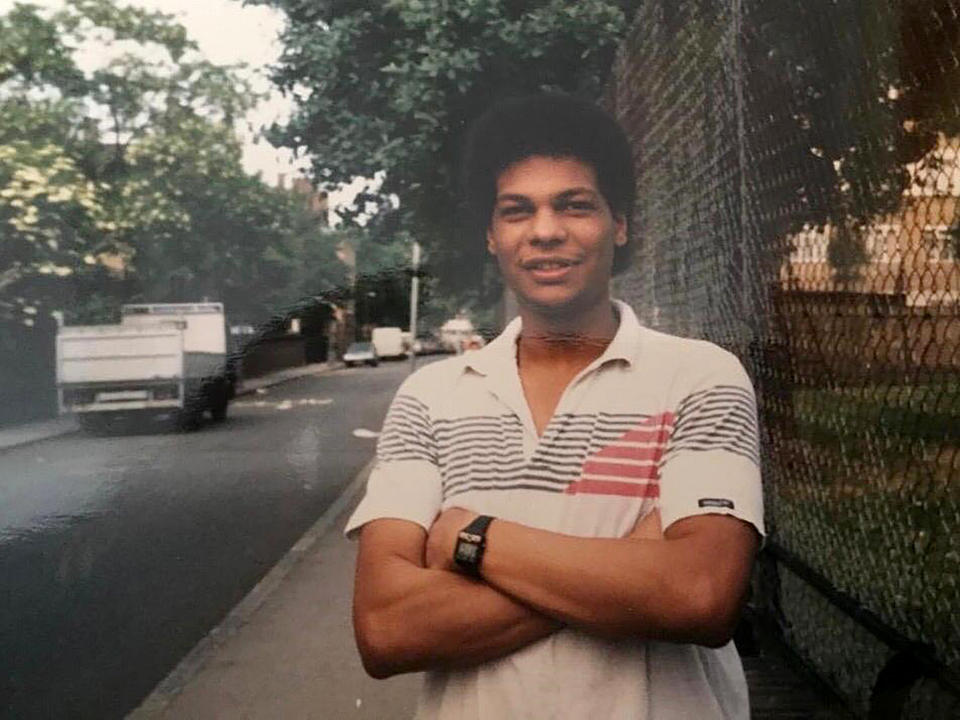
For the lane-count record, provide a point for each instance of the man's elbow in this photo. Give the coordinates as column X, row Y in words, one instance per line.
column 713, row 613
column 385, row 650
column 376, row 646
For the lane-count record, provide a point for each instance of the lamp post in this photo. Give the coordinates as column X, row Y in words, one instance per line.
column 414, row 296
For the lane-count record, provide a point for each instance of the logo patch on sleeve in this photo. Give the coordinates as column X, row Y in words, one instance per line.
column 715, row 503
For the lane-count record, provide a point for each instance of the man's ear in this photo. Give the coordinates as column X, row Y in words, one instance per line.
column 491, row 246
column 619, row 230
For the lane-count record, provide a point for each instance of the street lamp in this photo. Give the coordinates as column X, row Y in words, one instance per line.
column 414, row 297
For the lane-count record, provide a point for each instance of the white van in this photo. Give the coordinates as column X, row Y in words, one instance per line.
column 388, row 342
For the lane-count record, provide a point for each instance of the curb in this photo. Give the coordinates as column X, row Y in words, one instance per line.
column 193, row 662
column 279, row 381
column 75, row 428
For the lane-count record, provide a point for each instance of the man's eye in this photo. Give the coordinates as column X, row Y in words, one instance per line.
column 512, row 210
column 583, row 206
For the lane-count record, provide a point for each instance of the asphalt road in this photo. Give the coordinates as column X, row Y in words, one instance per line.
column 119, row 553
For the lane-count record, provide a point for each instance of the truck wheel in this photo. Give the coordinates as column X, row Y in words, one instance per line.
column 188, row 419
column 218, row 408
column 93, row 423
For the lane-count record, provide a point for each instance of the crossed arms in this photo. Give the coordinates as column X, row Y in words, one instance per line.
column 413, row 611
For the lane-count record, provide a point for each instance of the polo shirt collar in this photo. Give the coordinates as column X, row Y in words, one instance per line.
column 501, row 354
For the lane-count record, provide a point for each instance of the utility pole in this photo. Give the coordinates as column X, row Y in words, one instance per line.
column 414, row 296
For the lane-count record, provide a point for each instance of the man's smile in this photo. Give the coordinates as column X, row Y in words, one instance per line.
column 549, row 269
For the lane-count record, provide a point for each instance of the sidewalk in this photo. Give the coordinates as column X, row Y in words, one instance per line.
column 17, row 435
column 287, row 650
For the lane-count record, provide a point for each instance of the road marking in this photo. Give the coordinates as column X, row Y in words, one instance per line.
column 284, row 404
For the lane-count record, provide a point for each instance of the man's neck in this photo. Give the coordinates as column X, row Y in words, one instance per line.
column 567, row 340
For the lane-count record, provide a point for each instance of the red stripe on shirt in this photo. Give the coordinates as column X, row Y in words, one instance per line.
column 629, row 452
column 655, row 430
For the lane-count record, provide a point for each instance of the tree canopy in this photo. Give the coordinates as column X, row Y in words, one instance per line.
column 126, row 183
column 391, row 86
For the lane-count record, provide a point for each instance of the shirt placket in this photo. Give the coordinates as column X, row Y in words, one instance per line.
column 505, row 386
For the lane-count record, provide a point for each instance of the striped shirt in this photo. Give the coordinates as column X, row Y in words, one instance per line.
column 655, row 422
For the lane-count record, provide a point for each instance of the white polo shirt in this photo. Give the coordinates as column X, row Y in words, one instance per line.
column 656, row 421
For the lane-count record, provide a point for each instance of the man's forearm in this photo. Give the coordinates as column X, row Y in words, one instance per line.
column 685, row 589
column 409, row 618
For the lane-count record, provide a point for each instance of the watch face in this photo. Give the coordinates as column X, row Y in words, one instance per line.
column 466, row 552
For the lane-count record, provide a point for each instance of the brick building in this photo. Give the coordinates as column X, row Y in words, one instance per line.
column 910, row 253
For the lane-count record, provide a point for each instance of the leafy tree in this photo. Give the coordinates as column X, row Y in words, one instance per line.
column 391, row 86
column 853, row 91
column 136, row 164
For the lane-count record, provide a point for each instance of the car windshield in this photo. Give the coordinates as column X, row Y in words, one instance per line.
column 360, row 347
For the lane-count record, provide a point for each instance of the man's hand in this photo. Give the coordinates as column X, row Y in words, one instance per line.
column 443, row 537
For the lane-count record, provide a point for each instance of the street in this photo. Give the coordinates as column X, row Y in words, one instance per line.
column 119, row 553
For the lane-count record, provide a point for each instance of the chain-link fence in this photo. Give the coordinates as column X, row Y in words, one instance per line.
column 799, row 180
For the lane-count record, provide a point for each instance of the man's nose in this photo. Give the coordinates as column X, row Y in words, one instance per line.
column 547, row 227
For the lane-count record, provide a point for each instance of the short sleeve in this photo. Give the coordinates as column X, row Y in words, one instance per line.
column 712, row 461
column 405, row 482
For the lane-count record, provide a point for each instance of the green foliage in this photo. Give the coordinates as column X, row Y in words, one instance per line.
column 860, row 91
column 136, row 166
column 392, row 86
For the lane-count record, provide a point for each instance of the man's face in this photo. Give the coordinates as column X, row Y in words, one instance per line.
column 553, row 234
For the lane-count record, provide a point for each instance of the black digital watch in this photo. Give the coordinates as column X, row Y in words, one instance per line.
column 471, row 542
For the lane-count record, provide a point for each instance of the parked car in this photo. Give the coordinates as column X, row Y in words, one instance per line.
column 361, row 352
column 427, row 345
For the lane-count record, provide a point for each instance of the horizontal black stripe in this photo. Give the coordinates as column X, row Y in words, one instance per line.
column 408, row 401
column 486, row 441
column 402, row 420
column 404, row 457
column 507, row 465
column 558, row 474
column 529, row 474
column 708, row 408
column 716, row 443
column 731, row 419
column 450, row 430
column 559, row 454
column 609, row 425
column 400, row 440
column 419, row 452
column 713, row 389
column 409, row 409
column 487, row 446
column 505, row 486
column 443, row 423
column 749, row 455
column 734, row 430
column 720, row 436
column 604, row 414
column 715, row 398
column 477, row 432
